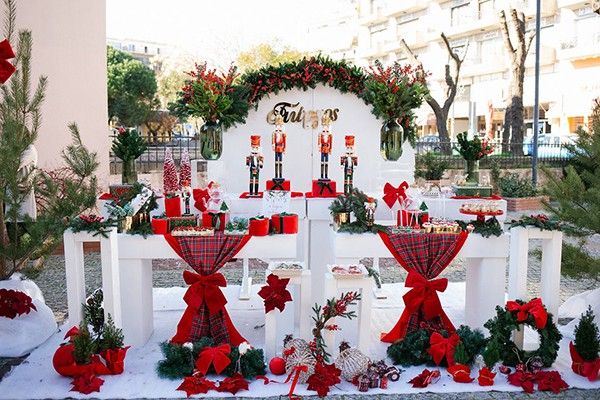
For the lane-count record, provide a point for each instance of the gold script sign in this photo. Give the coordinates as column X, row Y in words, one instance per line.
column 295, row 113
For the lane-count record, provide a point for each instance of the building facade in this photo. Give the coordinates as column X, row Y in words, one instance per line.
column 141, row 50
column 569, row 56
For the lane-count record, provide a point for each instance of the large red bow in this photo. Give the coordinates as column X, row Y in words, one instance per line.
column 589, row 369
column 535, row 308
column 217, row 356
column 424, row 293
column 6, row 68
column 441, row 347
column 204, row 289
column 391, row 193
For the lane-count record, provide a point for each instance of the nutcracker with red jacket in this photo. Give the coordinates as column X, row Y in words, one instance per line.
column 325, row 144
column 254, row 162
column 349, row 161
column 278, row 141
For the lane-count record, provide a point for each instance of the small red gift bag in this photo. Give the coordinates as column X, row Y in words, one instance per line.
column 173, row 206
column 258, row 226
column 285, row 223
column 159, row 226
column 115, row 359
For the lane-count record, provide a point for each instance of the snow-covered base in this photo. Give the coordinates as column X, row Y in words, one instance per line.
column 19, row 336
column 577, row 305
column 140, row 379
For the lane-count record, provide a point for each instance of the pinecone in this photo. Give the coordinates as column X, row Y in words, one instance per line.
column 352, row 362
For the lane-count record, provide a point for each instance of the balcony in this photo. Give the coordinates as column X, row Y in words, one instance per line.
column 414, row 38
column 582, row 47
column 529, row 8
column 378, row 16
column 472, row 24
column 547, row 56
column 396, row 8
column 571, row 3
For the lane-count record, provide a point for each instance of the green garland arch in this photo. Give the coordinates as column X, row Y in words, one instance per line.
column 500, row 347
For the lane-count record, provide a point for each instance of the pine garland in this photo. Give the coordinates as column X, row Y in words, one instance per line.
column 490, row 227
column 540, row 221
column 355, row 203
column 587, row 336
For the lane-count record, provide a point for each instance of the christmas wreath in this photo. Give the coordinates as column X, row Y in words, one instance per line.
column 514, row 316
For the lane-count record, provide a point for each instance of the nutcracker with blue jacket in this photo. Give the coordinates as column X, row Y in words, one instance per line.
column 278, row 142
column 325, row 144
column 254, row 162
column 349, row 160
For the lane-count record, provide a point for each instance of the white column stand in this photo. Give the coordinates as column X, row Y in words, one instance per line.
column 321, row 254
column 517, row 275
column 487, row 279
column 271, row 333
column 111, row 279
column 137, row 315
column 75, row 276
column 550, row 274
column 246, row 285
column 378, row 292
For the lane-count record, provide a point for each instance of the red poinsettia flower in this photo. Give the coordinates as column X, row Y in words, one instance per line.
column 550, row 381
column 275, row 293
column 14, row 303
column 486, row 377
column 461, row 373
column 233, row 384
column 6, row 68
column 522, row 379
column 323, row 378
column 425, row 378
column 86, row 383
column 196, row 384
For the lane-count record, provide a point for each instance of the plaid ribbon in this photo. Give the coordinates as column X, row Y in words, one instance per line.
column 206, row 255
column 424, row 256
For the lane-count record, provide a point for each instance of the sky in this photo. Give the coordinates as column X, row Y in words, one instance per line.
column 218, row 29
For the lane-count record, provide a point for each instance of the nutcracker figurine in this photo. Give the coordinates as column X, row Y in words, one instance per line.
column 278, row 142
column 349, row 161
column 254, row 162
column 325, row 144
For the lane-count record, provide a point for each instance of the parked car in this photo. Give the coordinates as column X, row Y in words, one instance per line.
column 426, row 144
column 180, row 140
column 550, row 146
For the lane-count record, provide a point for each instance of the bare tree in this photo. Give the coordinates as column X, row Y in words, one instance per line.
column 517, row 43
column 451, row 79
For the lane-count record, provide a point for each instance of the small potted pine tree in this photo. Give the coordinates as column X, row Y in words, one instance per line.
column 585, row 350
column 128, row 146
column 430, row 168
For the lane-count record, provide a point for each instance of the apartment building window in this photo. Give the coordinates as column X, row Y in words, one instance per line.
column 463, row 93
column 460, row 14
column 378, row 33
column 490, row 50
column 486, row 8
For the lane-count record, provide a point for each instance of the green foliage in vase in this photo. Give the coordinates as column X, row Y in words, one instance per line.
column 430, row 167
column 128, row 145
column 356, row 201
column 472, row 149
column 587, row 336
column 61, row 194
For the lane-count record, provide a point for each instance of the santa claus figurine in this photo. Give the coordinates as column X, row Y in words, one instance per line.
column 254, row 162
column 278, row 142
column 325, row 142
column 349, row 160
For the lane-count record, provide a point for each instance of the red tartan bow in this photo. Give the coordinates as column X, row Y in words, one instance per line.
column 6, row 68
column 535, row 308
column 204, row 289
column 423, row 293
column 589, row 369
column 441, row 347
column 391, row 194
column 218, row 357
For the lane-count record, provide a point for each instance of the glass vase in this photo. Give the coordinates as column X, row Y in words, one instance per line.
column 129, row 174
column 472, row 171
column 391, row 140
column 211, row 140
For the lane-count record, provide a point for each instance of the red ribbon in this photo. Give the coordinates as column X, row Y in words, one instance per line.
column 535, row 308
column 391, row 193
column 217, row 356
column 204, row 289
column 589, row 369
column 441, row 347
column 6, row 68
column 296, row 371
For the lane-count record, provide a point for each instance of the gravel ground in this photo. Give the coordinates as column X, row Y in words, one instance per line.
column 167, row 273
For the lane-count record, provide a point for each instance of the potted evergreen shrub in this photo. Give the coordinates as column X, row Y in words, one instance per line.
column 340, row 210
column 430, row 168
column 519, row 193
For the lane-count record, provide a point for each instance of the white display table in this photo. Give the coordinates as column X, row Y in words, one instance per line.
column 485, row 260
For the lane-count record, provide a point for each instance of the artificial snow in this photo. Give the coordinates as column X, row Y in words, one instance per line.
column 140, row 380
column 19, row 336
column 576, row 305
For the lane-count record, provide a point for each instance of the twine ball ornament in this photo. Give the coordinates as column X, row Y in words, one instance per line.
column 352, row 362
column 296, row 353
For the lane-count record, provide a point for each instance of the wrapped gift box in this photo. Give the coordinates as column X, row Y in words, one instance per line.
column 323, row 188
column 173, row 206
column 258, row 226
column 215, row 220
column 273, row 185
column 285, row 223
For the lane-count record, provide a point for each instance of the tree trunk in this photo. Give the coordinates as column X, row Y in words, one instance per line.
column 441, row 118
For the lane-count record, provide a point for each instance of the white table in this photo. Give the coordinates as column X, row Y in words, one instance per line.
column 485, row 260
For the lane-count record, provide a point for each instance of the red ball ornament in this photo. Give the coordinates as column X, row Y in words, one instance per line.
column 277, row 366
column 63, row 360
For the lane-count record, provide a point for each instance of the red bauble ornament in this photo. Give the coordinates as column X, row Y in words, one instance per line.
column 277, row 366
column 63, row 359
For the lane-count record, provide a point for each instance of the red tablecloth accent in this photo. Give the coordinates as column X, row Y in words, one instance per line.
column 246, row 195
column 424, row 256
column 206, row 315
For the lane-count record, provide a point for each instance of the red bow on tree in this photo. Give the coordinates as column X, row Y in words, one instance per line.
column 441, row 347
column 275, row 293
column 391, row 193
column 6, row 68
column 217, row 356
column 535, row 308
column 204, row 289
